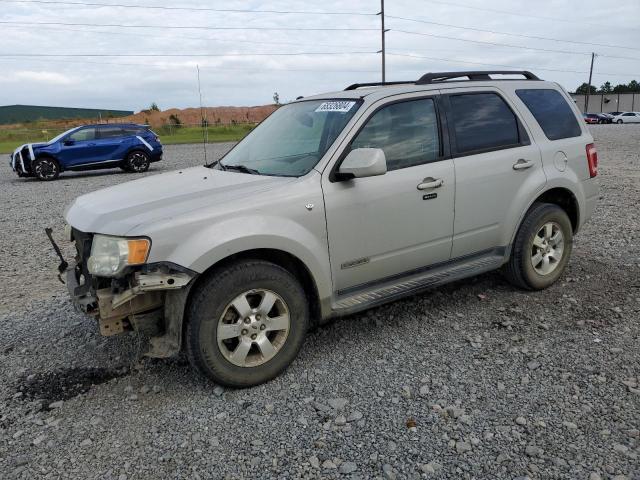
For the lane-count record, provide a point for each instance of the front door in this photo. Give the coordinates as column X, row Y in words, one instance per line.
column 79, row 147
column 389, row 225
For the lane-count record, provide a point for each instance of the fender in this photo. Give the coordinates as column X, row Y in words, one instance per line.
column 240, row 234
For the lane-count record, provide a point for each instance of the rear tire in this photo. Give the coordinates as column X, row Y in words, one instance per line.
column 541, row 249
column 246, row 323
column 45, row 169
column 137, row 162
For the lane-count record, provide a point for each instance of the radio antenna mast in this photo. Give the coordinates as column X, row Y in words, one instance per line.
column 203, row 119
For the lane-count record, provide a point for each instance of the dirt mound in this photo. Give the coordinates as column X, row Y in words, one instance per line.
column 187, row 116
column 192, row 116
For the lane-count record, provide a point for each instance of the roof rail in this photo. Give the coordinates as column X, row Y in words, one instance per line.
column 472, row 75
column 355, row 86
column 434, row 77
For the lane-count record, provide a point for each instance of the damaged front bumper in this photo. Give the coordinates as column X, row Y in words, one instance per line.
column 150, row 298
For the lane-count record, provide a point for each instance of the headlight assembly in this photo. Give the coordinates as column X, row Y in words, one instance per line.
column 110, row 255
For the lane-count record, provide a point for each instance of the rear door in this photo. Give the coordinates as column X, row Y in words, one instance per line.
column 110, row 143
column 497, row 167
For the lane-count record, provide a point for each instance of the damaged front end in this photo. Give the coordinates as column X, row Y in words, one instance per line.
column 149, row 298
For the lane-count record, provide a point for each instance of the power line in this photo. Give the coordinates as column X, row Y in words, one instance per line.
column 191, row 27
column 510, row 66
column 184, row 37
column 498, row 44
column 520, row 14
column 521, row 35
column 190, row 9
column 182, row 66
column 153, row 55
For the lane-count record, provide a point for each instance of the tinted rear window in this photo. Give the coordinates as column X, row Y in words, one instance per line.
column 483, row 121
column 552, row 112
column 110, row 132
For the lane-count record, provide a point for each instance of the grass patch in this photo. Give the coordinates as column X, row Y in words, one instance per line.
column 10, row 139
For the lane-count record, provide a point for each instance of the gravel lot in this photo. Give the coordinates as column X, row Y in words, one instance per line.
column 474, row 380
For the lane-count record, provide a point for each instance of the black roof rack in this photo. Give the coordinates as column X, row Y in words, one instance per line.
column 472, row 75
column 354, row 86
column 434, row 77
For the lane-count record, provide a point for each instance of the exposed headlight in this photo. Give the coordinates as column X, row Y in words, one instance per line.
column 68, row 233
column 110, row 255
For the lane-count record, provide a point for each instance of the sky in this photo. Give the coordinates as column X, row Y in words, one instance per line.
column 245, row 57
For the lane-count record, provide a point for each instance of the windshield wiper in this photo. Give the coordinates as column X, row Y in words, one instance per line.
column 240, row 168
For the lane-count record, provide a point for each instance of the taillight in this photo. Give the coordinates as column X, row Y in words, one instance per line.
column 592, row 159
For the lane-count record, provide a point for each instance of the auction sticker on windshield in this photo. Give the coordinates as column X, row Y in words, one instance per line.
column 335, row 106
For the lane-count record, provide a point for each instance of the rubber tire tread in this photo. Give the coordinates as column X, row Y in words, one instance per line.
column 514, row 269
column 214, row 293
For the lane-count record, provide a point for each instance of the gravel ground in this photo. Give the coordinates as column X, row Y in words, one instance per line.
column 474, row 380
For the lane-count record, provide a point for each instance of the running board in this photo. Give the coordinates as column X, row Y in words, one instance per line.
column 414, row 282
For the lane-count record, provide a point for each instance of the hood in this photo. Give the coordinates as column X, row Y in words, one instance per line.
column 117, row 210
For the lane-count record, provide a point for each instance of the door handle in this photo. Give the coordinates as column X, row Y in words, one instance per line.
column 522, row 164
column 430, row 182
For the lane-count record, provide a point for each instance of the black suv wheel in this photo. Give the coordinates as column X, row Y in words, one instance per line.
column 45, row 169
column 137, row 162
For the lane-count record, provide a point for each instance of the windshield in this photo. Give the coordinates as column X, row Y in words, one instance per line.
column 59, row 137
column 292, row 140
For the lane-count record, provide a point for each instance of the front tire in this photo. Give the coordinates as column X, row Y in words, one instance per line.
column 246, row 323
column 619, row 122
column 541, row 249
column 45, row 169
column 137, row 162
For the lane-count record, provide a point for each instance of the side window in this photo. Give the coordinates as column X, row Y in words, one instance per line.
column 628, row 115
column 110, row 132
column 83, row 135
column 483, row 121
column 407, row 132
column 551, row 111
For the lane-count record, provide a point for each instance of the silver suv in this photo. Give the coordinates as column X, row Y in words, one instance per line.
column 334, row 204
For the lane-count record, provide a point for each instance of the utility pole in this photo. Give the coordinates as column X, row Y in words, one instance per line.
column 586, row 103
column 382, row 32
column 203, row 119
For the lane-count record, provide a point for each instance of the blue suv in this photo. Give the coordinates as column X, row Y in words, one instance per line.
column 128, row 146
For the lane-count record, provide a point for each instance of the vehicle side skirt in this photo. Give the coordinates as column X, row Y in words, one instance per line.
column 415, row 281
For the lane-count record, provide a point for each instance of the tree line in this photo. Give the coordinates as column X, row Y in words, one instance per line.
column 632, row 87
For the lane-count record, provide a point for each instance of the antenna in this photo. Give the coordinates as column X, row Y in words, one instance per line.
column 203, row 119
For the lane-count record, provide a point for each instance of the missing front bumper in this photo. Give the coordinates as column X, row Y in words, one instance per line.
column 139, row 307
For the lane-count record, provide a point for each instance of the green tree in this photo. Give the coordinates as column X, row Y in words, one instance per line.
column 276, row 98
column 584, row 88
column 634, row 86
column 606, row 88
column 154, row 107
column 174, row 119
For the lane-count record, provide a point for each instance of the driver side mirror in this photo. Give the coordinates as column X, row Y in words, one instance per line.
column 363, row 162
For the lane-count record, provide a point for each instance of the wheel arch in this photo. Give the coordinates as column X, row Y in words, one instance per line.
column 283, row 259
column 560, row 196
column 41, row 155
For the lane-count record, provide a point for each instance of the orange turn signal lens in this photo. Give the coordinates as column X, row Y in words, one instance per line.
column 138, row 251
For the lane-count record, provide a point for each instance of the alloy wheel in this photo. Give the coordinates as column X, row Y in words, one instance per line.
column 547, row 248
column 46, row 169
column 253, row 328
column 138, row 161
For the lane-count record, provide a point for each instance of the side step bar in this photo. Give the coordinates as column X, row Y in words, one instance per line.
column 382, row 292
